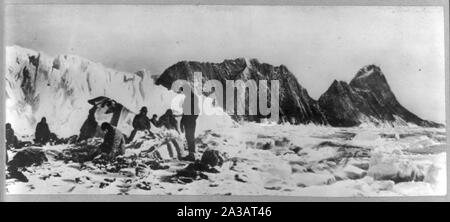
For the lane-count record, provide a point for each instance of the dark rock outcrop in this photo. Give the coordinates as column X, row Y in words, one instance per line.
column 367, row 99
column 212, row 158
column 28, row 157
column 296, row 106
column 14, row 173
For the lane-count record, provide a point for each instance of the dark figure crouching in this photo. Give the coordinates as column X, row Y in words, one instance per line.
column 113, row 142
column 43, row 134
column 140, row 123
column 11, row 138
column 89, row 127
column 154, row 120
column 168, row 121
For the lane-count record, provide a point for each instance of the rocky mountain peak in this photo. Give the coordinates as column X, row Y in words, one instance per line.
column 367, row 99
column 370, row 77
column 338, row 87
column 368, row 70
column 296, row 105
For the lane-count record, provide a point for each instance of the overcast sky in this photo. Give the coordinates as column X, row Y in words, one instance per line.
column 318, row 44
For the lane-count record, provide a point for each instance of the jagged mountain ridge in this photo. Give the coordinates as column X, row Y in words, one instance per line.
column 296, row 106
column 58, row 87
column 368, row 99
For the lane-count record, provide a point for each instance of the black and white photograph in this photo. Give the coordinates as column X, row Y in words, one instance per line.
column 225, row 100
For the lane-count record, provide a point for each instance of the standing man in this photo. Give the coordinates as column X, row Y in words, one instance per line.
column 188, row 123
column 140, row 123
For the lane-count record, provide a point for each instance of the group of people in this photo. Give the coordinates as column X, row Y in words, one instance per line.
column 114, row 140
column 142, row 123
column 187, row 124
column 42, row 134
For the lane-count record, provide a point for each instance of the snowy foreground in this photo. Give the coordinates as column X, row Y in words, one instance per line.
column 262, row 160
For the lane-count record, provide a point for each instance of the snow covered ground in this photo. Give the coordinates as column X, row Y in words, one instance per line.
column 263, row 159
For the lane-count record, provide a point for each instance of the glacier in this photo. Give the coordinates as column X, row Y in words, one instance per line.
column 39, row 85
